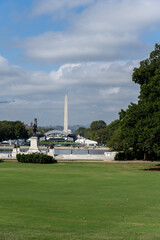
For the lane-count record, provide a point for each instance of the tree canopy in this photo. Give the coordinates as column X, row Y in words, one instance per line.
column 140, row 123
column 148, row 68
column 95, row 125
column 102, row 133
column 12, row 130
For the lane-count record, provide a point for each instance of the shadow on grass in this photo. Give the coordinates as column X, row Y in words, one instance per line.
column 155, row 168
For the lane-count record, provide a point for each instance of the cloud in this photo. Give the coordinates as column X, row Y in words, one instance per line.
column 105, row 31
column 92, row 88
column 21, row 82
column 109, row 91
column 52, row 6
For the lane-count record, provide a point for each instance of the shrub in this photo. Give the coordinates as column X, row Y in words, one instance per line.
column 128, row 155
column 119, row 156
column 35, row 158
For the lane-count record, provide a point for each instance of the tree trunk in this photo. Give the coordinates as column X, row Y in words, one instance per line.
column 144, row 158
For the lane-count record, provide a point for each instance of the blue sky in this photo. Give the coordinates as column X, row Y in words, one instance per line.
column 84, row 48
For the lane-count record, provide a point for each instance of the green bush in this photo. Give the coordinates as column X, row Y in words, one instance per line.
column 119, row 156
column 128, row 155
column 35, row 158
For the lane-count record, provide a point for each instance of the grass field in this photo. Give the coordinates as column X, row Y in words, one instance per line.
column 73, row 201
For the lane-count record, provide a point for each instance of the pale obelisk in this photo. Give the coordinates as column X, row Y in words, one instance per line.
column 66, row 114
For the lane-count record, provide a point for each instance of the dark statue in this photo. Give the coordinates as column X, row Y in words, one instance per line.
column 35, row 127
column 51, row 146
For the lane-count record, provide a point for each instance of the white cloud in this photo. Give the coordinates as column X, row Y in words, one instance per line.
column 107, row 30
column 109, row 91
column 92, row 88
column 20, row 82
column 51, row 6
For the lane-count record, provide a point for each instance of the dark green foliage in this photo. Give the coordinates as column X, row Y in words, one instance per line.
column 140, row 123
column 35, row 158
column 103, row 134
column 123, row 156
column 129, row 155
column 98, row 135
column 12, row 130
column 81, row 131
column 148, row 67
column 114, row 140
column 97, row 132
column 95, row 125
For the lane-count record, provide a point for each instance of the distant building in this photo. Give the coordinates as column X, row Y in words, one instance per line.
column 87, row 142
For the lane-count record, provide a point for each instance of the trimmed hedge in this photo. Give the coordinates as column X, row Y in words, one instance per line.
column 131, row 155
column 35, row 158
column 128, row 155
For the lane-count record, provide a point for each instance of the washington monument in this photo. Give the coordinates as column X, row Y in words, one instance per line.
column 66, row 115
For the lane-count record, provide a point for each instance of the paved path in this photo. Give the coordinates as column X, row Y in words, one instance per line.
column 91, row 161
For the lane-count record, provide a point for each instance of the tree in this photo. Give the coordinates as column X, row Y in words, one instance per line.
column 12, row 130
column 140, row 128
column 113, row 138
column 148, row 67
column 81, row 131
column 97, row 132
column 19, row 130
column 95, row 125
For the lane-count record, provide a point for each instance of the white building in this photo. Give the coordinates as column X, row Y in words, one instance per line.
column 85, row 141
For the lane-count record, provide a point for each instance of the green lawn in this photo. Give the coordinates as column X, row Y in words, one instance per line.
column 79, row 201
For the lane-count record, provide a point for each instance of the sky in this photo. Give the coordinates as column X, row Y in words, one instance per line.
column 86, row 49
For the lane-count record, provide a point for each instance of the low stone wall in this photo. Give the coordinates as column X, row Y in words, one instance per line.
column 5, row 155
column 110, row 155
column 104, row 157
column 16, row 151
column 80, row 157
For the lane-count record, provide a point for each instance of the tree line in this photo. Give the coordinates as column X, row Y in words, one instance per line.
column 102, row 133
column 12, row 130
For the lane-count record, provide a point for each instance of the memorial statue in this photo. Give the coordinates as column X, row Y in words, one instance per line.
column 35, row 127
column 51, row 146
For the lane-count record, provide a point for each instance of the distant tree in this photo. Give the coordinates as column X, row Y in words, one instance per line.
column 105, row 134
column 97, row 132
column 12, row 130
column 19, row 130
column 95, row 125
column 114, row 139
column 44, row 129
column 81, row 131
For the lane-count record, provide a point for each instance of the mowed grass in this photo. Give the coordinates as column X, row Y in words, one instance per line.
column 72, row 201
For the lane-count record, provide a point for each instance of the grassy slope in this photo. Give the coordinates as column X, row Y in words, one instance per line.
column 79, row 201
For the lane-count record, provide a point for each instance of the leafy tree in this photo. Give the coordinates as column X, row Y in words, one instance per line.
column 44, row 129
column 81, row 131
column 148, row 67
column 115, row 141
column 19, row 130
column 103, row 134
column 140, row 129
column 95, row 125
column 97, row 131
column 12, row 130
